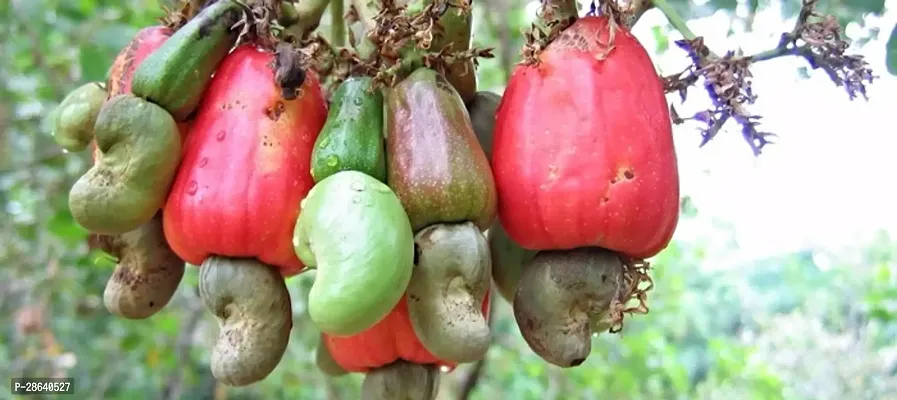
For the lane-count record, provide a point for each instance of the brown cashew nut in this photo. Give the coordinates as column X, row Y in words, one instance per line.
column 447, row 289
column 252, row 304
column 325, row 362
column 563, row 297
column 401, row 380
column 147, row 274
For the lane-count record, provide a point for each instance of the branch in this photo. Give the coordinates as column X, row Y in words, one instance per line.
column 727, row 79
column 337, row 23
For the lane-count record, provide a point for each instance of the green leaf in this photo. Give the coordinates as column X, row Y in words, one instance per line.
column 94, row 63
column 891, row 58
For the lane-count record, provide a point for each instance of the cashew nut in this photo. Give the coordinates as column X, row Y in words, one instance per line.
column 147, row 274
column 447, row 289
column 562, row 297
column 401, row 380
column 252, row 304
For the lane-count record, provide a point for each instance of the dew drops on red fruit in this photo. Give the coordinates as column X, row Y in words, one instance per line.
column 221, row 135
column 192, row 187
column 203, row 162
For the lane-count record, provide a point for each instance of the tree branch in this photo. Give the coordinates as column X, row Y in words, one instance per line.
column 337, row 23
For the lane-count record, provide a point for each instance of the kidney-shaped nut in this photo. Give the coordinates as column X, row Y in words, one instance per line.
column 447, row 289
column 561, row 296
column 401, row 380
column 147, row 274
column 252, row 304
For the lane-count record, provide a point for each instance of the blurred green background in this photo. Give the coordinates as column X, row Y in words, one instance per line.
column 802, row 322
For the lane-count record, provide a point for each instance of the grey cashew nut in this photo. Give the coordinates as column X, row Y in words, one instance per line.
column 508, row 260
column 147, row 274
column 252, row 305
column 561, row 297
column 447, row 289
column 325, row 362
column 401, row 380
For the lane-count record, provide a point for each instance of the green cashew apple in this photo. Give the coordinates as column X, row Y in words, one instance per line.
column 353, row 230
column 252, row 305
column 139, row 148
column 147, row 274
column 74, row 118
column 563, row 297
column 401, row 380
column 175, row 76
column 447, row 289
column 352, row 137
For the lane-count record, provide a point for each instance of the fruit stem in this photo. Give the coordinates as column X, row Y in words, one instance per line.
column 305, row 15
column 337, row 23
column 677, row 21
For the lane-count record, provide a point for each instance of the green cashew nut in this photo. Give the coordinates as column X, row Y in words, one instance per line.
column 508, row 259
column 401, row 380
column 148, row 271
column 353, row 229
column 252, row 304
column 482, row 115
column 563, row 297
column 325, row 362
column 74, row 118
column 447, row 289
column 140, row 148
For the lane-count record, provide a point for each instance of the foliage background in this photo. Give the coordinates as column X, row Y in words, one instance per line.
column 807, row 321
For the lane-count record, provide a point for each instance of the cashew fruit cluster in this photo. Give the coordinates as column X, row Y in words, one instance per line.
column 394, row 229
column 197, row 159
column 407, row 198
column 588, row 186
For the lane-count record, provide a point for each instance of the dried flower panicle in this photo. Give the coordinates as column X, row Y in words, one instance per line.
column 824, row 47
column 727, row 79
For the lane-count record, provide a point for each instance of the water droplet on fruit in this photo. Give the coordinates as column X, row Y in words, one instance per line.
column 357, row 186
column 192, row 187
column 356, row 101
column 444, row 369
column 324, row 143
column 203, row 162
column 64, row 151
column 356, row 199
column 369, row 202
column 221, row 135
column 332, row 160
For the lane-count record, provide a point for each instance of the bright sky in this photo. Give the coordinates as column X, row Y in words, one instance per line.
column 825, row 183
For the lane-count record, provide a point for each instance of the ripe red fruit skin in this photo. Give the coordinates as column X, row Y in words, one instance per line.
column 246, row 166
column 144, row 42
column 389, row 340
column 583, row 148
